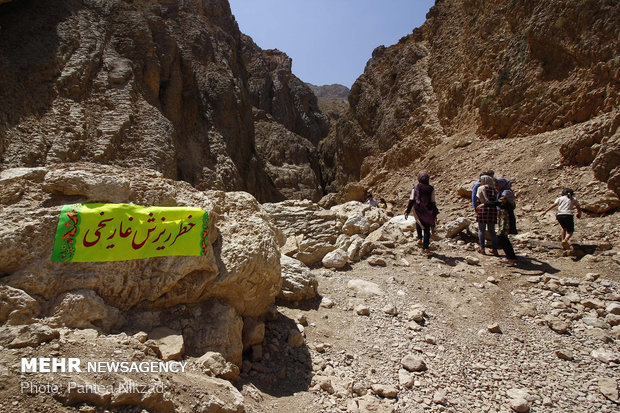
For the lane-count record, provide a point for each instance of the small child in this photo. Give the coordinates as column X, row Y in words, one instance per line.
column 567, row 203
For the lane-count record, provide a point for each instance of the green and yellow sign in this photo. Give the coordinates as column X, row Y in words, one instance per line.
column 118, row 232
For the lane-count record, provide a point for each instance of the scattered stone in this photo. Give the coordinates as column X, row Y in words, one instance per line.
column 377, row 261
column 384, row 390
column 591, row 276
column 440, row 397
column 430, row 339
column 362, row 309
column 415, row 315
column 29, row 335
column 613, row 308
column 141, row 336
column 413, row 363
column 405, row 378
column 253, row 332
column 327, row 302
column 558, row 326
column 472, row 260
column 564, row 354
column 592, row 303
column 612, row 319
column 454, row 227
column 216, row 365
column 363, row 288
column 494, row 328
column 167, row 343
column 520, row 405
column 298, row 282
column 390, row 309
column 492, row 280
column 338, row 258
column 295, row 338
column 605, row 356
column 412, row 325
column 596, row 322
column 609, row 388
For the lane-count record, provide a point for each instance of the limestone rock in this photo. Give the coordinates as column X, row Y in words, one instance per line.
column 85, row 309
column 377, row 262
column 247, row 254
column 313, row 230
column 167, row 343
column 29, row 335
column 520, row 405
column 335, row 259
column 354, row 250
column 609, row 388
column 17, row 306
column 413, row 363
column 613, row 308
column 404, row 224
column 215, row 364
column 454, row 227
column 383, row 390
column 362, row 309
column 362, row 288
column 298, row 282
column 356, row 224
column 295, row 338
column 253, row 332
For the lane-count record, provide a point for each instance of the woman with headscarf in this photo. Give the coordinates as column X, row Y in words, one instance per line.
column 486, row 215
column 507, row 223
column 425, row 210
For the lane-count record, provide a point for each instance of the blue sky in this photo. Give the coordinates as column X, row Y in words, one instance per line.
column 330, row 41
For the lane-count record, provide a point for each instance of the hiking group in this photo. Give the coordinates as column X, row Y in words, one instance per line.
column 494, row 204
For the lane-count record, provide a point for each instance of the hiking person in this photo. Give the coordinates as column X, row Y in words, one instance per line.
column 507, row 223
column 487, row 215
column 371, row 201
column 474, row 189
column 382, row 203
column 566, row 203
column 425, row 210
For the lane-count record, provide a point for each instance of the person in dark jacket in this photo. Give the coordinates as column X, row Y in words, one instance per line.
column 422, row 201
column 507, row 223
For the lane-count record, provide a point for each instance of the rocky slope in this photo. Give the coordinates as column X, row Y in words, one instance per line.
column 172, row 86
column 493, row 69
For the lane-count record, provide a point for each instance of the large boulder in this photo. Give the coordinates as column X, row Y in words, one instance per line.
column 312, row 231
column 357, row 224
column 336, row 259
column 298, row 282
column 241, row 269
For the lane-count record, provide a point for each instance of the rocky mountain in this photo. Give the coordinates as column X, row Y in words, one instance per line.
column 490, row 69
column 172, row 86
column 333, row 92
column 332, row 100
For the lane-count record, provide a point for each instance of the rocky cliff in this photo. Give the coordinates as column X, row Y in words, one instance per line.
column 172, row 86
column 490, row 69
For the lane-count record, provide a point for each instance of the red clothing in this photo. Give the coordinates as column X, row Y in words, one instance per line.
column 488, row 215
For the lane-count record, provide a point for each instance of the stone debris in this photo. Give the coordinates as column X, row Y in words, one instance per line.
column 413, row 363
column 167, row 343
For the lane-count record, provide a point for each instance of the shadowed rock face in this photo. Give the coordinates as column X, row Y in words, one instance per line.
column 492, row 68
column 166, row 85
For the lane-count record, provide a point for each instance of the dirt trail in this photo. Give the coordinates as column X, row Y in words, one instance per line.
column 469, row 368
